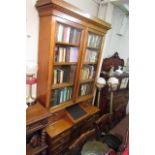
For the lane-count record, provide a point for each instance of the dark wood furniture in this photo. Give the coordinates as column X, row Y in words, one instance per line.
column 121, row 95
column 36, row 121
column 103, row 124
column 121, row 128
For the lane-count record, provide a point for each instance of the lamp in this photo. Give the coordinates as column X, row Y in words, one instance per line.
column 113, row 84
column 31, row 69
column 100, row 83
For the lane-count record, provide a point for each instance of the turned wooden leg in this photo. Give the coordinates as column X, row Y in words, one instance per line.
column 43, row 137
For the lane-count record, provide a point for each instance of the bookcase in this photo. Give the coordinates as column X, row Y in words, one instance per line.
column 70, row 47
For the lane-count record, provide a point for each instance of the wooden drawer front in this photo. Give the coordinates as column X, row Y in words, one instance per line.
column 64, row 135
column 36, row 126
column 59, row 143
column 59, row 150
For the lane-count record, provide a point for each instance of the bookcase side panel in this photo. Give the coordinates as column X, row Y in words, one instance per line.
column 43, row 59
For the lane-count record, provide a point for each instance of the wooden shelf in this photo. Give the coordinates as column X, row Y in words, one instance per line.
column 83, row 98
column 90, row 63
column 86, row 81
column 63, row 106
column 67, row 44
column 64, row 63
column 61, row 85
column 34, row 151
column 93, row 48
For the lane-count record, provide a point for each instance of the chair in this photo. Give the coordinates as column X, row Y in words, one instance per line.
column 119, row 112
column 103, row 124
column 76, row 147
column 125, row 142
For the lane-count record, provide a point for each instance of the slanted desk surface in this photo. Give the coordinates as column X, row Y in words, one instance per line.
column 65, row 123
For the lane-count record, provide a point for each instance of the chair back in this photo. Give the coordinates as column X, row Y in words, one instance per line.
column 76, row 147
column 103, row 123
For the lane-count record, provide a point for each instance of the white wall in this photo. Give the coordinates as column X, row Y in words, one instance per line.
column 32, row 30
column 116, row 42
column 88, row 6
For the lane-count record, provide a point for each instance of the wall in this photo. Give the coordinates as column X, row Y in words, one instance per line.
column 116, row 42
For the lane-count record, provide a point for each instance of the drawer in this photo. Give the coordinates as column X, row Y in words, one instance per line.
column 60, row 138
column 62, row 141
column 59, row 150
column 36, row 126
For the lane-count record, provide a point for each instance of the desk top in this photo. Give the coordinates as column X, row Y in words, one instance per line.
column 64, row 123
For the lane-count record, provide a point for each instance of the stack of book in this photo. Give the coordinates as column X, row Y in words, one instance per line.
column 87, row 72
column 66, row 54
column 68, row 34
column 94, row 41
column 64, row 75
column 91, row 55
column 61, row 95
column 85, row 89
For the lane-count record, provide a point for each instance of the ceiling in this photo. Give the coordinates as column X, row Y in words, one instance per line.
column 122, row 4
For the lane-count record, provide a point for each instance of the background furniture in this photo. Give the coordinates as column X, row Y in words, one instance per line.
column 103, row 125
column 121, row 95
column 36, row 121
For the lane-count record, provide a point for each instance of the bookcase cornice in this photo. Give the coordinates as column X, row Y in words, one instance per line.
column 47, row 6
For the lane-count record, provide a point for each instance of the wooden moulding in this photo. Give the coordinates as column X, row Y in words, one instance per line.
column 36, row 113
column 65, row 7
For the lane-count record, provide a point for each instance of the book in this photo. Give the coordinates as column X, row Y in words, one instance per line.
column 66, row 34
column 73, row 54
column 60, row 32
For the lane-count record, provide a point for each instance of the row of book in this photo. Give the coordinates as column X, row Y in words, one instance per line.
column 64, row 75
column 61, row 95
column 91, row 55
column 85, row 89
column 66, row 54
column 87, row 72
column 68, row 34
column 94, row 41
